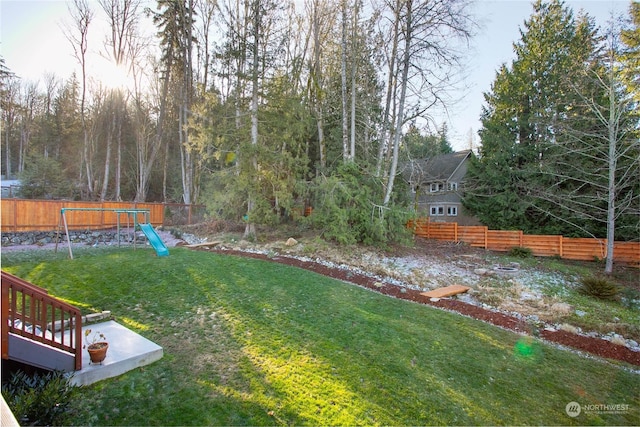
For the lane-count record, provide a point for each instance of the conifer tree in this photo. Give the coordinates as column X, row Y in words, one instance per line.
column 528, row 100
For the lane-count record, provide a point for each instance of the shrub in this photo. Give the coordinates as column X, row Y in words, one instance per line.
column 176, row 233
column 521, row 252
column 599, row 287
column 630, row 298
column 40, row 399
column 346, row 212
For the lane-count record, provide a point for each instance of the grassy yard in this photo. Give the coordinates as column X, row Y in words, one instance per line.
column 250, row 342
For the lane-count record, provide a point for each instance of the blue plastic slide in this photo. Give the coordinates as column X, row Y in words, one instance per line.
column 154, row 239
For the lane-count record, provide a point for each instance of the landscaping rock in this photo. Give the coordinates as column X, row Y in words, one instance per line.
column 291, row 242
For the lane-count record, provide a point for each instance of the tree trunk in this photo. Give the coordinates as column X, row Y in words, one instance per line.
column 354, row 68
column 343, row 75
column 107, row 161
column 250, row 229
column 186, row 162
column 82, row 17
column 145, row 164
column 611, row 199
column 406, row 62
column 186, row 155
column 391, row 85
column 118, row 183
column 7, row 150
column 317, row 86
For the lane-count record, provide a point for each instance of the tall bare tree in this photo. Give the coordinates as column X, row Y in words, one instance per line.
column 344, row 25
column 29, row 105
column 594, row 162
column 77, row 35
column 322, row 16
column 388, row 116
column 205, row 9
column 10, row 95
column 120, row 45
column 428, row 29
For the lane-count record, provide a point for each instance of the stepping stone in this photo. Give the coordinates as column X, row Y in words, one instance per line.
column 447, row 291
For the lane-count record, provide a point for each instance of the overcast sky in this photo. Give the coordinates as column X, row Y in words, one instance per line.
column 32, row 43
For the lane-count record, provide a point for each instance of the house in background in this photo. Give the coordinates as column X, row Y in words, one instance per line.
column 10, row 187
column 437, row 186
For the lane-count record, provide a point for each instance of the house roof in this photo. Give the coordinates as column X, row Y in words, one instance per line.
column 442, row 166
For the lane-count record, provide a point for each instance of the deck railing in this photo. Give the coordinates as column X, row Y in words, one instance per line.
column 29, row 311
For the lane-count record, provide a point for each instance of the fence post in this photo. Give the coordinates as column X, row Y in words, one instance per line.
column 561, row 245
column 486, row 237
column 15, row 215
column 455, row 232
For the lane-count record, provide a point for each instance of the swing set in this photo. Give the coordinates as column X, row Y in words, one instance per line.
column 131, row 214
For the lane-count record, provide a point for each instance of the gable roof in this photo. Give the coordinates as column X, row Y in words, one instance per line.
column 443, row 166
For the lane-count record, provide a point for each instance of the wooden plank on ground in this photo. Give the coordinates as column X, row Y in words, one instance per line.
column 447, row 291
column 203, row 245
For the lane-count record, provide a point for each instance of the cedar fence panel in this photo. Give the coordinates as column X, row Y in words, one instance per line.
column 446, row 231
column 32, row 215
column 584, row 249
column 543, row 245
column 8, row 213
column 420, row 227
column 503, row 240
column 627, row 252
column 44, row 215
column 474, row 235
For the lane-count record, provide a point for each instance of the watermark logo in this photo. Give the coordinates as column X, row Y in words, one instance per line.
column 573, row 409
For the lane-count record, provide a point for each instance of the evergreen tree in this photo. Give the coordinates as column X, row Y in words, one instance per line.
column 528, row 100
column 416, row 146
column 631, row 53
column 43, row 178
column 593, row 163
column 67, row 135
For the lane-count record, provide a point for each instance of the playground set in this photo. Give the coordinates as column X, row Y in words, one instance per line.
column 132, row 217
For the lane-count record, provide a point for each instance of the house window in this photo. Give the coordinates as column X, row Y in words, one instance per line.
column 452, row 210
column 437, row 210
column 435, row 187
column 452, row 186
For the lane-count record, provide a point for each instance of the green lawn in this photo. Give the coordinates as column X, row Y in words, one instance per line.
column 251, row 342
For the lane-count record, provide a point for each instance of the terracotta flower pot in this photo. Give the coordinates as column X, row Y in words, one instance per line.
column 98, row 351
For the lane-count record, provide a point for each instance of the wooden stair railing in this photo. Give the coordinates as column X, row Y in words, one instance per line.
column 29, row 311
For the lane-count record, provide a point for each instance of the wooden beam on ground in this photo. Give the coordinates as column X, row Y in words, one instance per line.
column 203, row 245
column 447, row 291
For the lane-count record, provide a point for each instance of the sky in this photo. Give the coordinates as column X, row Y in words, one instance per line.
column 33, row 43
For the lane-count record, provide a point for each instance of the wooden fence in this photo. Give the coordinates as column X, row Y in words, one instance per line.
column 584, row 249
column 44, row 215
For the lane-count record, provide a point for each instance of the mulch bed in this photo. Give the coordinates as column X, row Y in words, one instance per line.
column 596, row 346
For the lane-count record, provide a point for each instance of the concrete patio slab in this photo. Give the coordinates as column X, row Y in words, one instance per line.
column 127, row 351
